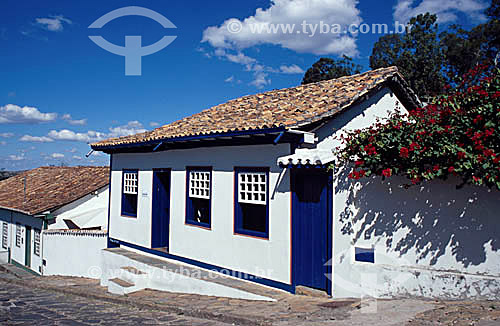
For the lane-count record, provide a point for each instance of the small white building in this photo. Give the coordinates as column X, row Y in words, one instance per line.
column 52, row 218
column 243, row 187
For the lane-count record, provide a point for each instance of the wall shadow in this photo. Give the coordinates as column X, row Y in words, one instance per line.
column 436, row 214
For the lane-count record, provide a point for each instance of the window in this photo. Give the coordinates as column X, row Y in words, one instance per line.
column 364, row 255
column 198, row 197
column 36, row 246
column 5, row 235
column 252, row 202
column 130, row 193
column 18, row 235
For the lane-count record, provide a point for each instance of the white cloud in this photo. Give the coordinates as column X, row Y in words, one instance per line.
column 293, row 69
column 260, row 80
column 446, row 10
column 154, row 124
column 16, row 157
column 53, row 23
column 3, row 143
column 57, row 155
column 229, row 79
column 341, row 12
column 76, row 157
column 71, row 121
column 36, row 139
column 131, row 128
column 87, row 137
column 12, row 113
column 6, row 135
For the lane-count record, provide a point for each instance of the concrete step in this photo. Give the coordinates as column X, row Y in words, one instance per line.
column 146, row 271
column 119, row 286
column 133, row 270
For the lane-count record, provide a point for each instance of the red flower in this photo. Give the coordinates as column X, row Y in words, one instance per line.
column 451, row 169
column 360, row 162
column 403, row 152
column 413, row 146
column 461, row 155
column 370, row 149
column 387, row 172
column 497, row 160
column 436, row 168
column 415, row 180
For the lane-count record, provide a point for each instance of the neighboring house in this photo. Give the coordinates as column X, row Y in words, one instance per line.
column 243, row 188
column 40, row 205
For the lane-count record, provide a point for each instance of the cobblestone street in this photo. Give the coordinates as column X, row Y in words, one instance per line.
column 31, row 300
column 22, row 306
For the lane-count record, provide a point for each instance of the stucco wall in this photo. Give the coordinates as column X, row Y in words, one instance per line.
column 73, row 253
column 218, row 246
column 430, row 240
column 5, row 216
column 87, row 212
column 18, row 254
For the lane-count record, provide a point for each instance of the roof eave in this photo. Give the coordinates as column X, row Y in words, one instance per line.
column 193, row 138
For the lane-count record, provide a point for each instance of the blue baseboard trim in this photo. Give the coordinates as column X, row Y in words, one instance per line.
column 241, row 275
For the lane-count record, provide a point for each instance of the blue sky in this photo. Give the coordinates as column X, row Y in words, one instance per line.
column 59, row 90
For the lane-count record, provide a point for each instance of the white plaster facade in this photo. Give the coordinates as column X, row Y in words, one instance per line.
column 431, row 240
column 18, row 249
column 218, row 246
column 90, row 211
column 73, row 253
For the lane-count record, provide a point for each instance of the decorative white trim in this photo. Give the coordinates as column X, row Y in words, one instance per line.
column 5, row 235
column 130, row 183
column 252, row 188
column 199, row 184
column 36, row 242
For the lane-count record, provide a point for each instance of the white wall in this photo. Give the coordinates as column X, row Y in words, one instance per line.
column 73, row 253
column 5, row 216
column 430, row 240
column 18, row 254
column 360, row 116
column 87, row 212
column 218, row 246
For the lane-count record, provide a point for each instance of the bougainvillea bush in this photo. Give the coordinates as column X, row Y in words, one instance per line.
column 457, row 134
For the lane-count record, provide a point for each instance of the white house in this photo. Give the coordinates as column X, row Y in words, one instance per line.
column 244, row 187
column 53, row 217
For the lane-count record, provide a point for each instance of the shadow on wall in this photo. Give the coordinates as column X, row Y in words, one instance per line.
column 426, row 219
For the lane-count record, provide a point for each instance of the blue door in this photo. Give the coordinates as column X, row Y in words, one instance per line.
column 161, row 210
column 311, row 228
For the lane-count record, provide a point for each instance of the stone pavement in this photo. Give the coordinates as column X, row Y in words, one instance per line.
column 190, row 309
column 20, row 305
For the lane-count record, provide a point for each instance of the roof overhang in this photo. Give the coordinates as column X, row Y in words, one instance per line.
column 233, row 138
column 307, row 157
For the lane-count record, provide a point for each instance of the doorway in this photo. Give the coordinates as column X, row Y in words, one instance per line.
column 311, row 228
column 161, row 210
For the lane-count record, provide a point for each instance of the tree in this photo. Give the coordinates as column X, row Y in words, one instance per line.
column 417, row 54
column 326, row 69
column 465, row 49
column 457, row 135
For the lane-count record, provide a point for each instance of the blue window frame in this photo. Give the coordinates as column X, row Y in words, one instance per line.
column 199, row 196
column 130, row 192
column 251, row 201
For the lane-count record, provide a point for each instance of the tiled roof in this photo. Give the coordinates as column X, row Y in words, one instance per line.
column 48, row 188
column 290, row 108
